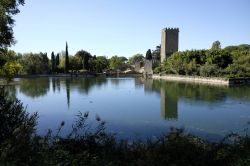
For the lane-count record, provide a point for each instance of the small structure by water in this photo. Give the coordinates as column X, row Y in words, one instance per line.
column 148, row 71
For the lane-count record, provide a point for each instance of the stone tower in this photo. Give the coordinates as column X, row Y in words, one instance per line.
column 169, row 42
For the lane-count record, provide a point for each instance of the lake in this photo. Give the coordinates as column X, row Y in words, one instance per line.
column 135, row 108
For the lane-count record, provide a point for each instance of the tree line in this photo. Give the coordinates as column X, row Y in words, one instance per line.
column 232, row 61
column 40, row 63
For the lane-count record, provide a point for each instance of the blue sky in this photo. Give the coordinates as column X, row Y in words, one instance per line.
column 127, row 27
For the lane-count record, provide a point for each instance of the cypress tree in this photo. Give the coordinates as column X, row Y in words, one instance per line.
column 57, row 59
column 53, row 62
column 66, row 67
column 149, row 55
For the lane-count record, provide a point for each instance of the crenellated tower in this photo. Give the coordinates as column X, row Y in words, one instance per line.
column 169, row 42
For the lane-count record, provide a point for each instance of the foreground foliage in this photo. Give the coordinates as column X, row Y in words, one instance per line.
column 20, row 145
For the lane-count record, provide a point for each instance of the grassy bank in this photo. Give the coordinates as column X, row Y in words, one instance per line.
column 20, row 144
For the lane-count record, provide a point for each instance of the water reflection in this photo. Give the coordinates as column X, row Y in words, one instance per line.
column 136, row 105
column 34, row 88
column 84, row 86
column 39, row 87
column 67, row 84
column 168, row 101
column 11, row 89
column 169, row 105
column 115, row 81
column 171, row 92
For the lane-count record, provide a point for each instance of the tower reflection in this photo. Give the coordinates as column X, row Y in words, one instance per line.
column 168, row 99
column 169, row 106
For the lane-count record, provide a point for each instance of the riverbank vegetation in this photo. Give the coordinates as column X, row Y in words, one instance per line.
column 232, row 61
column 21, row 145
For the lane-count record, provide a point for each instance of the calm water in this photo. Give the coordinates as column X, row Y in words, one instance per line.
column 135, row 108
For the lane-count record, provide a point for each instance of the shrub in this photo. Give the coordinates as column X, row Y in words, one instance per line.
column 9, row 70
column 209, row 70
column 16, row 130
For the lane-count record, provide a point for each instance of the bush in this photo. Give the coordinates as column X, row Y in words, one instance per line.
column 9, row 70
column 209, row 70
column 16, row 131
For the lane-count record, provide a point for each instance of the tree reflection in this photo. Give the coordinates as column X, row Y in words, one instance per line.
column 34, row 88
column 11, row 89
column 115, row 81
column 67, row 84
column 53, row 80
column 138, row 82
column 171, row 92
column 81, row 85
column 84, row 85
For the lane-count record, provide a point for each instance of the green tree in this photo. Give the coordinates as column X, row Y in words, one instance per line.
column 57, row 62
column 85, row 57
column 209, row 70
column 7, row 55
column 57, row 59
column 34, row 63
column 9, row 70
column 16, row 132
column 66, row 66
column 45, row 63
column 216, row 45
column 148, row 55
column 53, row 62
column 75, row 62
column 8, row 8
column 115, row 62
column 156, row 54
column 124, row 59
column 135, row 58
column 99, row 63
column 61, row 65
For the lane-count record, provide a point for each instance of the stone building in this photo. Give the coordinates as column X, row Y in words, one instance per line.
column 148, row 70
column 169, row 42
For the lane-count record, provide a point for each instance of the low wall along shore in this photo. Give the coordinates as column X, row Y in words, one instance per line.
column 205, row 80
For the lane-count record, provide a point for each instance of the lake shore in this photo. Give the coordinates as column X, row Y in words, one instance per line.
column 204, row 80
column 79, row 75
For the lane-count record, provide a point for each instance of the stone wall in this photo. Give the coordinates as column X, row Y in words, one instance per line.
column 205, row 80
column 148, row 71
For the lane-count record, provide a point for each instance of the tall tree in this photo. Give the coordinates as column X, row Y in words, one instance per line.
column 216, row 45
column 45, row 63
column 85, row 57
column 53, row 62
column 135, row 58
column 8, row 8
column 99, row 63
column 156, row 54
column 148, row 55
column 57, row 59
column 116, row 62
column 66, row 67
